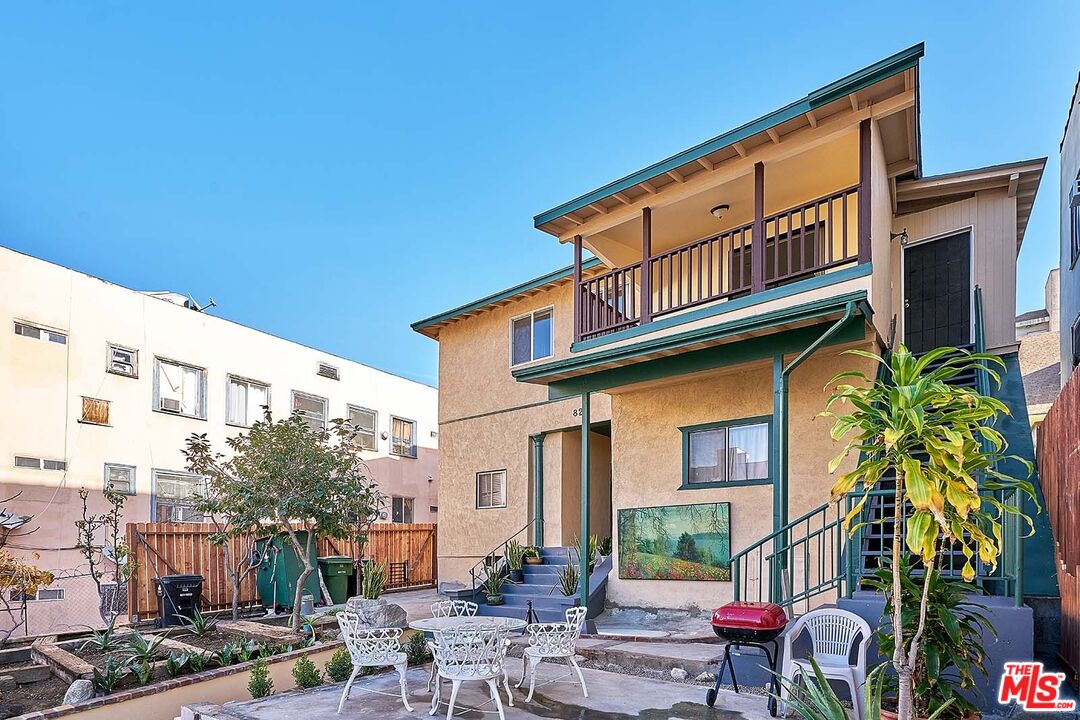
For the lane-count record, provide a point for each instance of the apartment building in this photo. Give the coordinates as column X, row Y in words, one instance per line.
column 104, row 384
column 1069, row 202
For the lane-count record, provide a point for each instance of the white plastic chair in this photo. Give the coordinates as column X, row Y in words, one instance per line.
column 833, row 633
column 372, row 647
column 449, row 608
column 471, row 652
column 553, row 640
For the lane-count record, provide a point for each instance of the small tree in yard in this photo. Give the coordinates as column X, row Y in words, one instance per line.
column 285, row 477
column 19, row 580
column 938, row 441
column 117, row 570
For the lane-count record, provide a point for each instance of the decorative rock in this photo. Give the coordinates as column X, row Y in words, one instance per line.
column 705, row 677
column 79, row 691
column 7, row 683
column 378, row 613
column 678, row 674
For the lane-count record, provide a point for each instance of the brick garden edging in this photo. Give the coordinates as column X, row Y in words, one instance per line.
column 174, row 683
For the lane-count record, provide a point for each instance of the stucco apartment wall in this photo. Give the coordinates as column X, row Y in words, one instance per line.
column 1070, row 274
column 647, row 460
column 43, row 384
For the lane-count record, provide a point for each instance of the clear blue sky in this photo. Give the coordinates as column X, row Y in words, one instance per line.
column 331, row 172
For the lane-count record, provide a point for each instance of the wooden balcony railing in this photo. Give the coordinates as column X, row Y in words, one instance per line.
column 795, row 243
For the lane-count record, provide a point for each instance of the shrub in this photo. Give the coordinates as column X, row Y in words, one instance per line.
column 198, row 624
column 105, row 681
column 568, row 578
column 306, row 674
column 144, row 672
column 141, row 648
column 515, row 554
column 198, row 661
column 261, row 684
column 415, row 648
column 373, row 580
column 339, row 667
column 175, row 664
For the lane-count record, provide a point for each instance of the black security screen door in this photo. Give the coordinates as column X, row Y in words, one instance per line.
column 937, row 293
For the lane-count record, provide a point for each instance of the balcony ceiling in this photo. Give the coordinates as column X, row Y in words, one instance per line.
column 886, row 91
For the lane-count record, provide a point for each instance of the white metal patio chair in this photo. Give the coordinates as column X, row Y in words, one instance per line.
column 453, row 608
column 372, row 647
column 833, row 634
column 553, row 640
column 472, row 652
column 449, row 608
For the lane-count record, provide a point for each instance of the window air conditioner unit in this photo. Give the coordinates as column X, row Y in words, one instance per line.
column 170, row 405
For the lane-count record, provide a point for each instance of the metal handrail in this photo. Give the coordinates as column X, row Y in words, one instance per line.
column 490, row 561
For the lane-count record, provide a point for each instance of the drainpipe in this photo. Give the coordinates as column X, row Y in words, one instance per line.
column 781, row 376
column 583, row 542
column 538, row 489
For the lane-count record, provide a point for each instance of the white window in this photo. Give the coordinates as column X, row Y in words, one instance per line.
column 491, row 489
column 401, row 509
column 245, row 400
column 328, row 371
column 122, row 361
column 33, row 463
column 364, row 421
column 39, row 333
column 42, row 594
column 179, row 389
column 120, row 478
column 311, row 407
column 174, row 496
column 402, row 437
column 531, row 337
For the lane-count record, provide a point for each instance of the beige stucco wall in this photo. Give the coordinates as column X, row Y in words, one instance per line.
column 647, row 460
column 599, row 486
column 992, row 216
column 884, row 277
column 43, row 382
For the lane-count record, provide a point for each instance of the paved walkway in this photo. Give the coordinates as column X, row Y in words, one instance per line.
column 611, row 697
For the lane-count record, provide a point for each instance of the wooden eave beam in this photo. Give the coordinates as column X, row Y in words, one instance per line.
column 623, row 198
column 676, row 176
column 900, row 167
column 705, row 163
column 773, row 135
column 1014, row 181
column 854, row 98
column 811, row 118
column 599, row 208
column 740, row 148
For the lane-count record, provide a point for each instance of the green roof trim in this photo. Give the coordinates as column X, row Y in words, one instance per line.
column 763, row 321
column 504, row 294
column 901, row 61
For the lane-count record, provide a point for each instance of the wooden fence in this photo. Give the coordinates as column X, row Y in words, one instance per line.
column 160, row 549
column 1059, row 473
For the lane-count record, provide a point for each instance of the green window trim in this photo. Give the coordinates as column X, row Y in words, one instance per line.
column 688, row 430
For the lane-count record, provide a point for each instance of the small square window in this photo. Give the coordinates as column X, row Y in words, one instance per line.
column 402, row 437
column 433, row 508
column 401, row 509
column 531, row 337
column 735, row 452
column 95, row 411
column 365, row 422
column 1074, row 221
column 120, row 478
column 311, row 407
column 491, row 489
column 122, row 361
column 328, row 371
column 53, row 465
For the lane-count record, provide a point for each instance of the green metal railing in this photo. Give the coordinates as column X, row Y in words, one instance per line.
column 494, row 561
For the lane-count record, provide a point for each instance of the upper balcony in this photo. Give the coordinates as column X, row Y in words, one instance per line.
column 788, row 197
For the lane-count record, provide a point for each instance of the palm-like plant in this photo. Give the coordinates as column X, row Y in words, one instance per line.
column 141, row 648
column 199, row 624
column 938, row 440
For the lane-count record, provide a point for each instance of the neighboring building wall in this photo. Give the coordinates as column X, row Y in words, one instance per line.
column 647, row 460
column 1040, row 355
column 992, row 217
column 43, row 384
column 1070, row 271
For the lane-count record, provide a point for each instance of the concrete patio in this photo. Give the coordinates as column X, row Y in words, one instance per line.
column 611, row 697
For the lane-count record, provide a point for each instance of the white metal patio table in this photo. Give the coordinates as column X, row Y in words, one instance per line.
column 434, row 625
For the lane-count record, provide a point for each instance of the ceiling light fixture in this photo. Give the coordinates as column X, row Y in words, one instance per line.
column 718, row 211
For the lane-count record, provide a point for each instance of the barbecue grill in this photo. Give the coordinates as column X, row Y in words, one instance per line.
column 748, row 624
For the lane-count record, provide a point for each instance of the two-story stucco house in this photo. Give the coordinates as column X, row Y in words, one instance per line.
column 678, row 372
column 1070, row 239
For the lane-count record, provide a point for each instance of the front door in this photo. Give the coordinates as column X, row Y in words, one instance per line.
column 937, row 293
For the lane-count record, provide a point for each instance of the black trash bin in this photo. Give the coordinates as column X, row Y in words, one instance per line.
column 178, row 598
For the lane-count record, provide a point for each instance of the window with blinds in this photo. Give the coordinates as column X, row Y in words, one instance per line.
column 364, row 421
column 491, row 489
column 402, row 437
column 120, row 478
column 310, row 407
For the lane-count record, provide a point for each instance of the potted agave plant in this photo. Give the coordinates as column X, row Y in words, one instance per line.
column 531, row 556
column 515, row 553
column 492, row 584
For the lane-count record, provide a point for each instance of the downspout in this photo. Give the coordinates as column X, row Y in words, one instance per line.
column 538, row 489
column 781, row 375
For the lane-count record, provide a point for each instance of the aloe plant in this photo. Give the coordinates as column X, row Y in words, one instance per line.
column 142, row 648
column 569, row 578
column 105, row 680
column 199, row 624
column 515, row 554
column 176, row 663
column 100, row 641
column 374, row 577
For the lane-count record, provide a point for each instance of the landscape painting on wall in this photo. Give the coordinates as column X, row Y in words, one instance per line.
column 675, row 542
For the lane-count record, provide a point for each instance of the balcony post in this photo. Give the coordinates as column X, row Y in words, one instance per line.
column 646, row 265
column 864, row 191
column 578, row 305
column 757, row 247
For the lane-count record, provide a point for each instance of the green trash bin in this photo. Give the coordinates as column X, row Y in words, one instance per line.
column 336, row 571
column 280, row 568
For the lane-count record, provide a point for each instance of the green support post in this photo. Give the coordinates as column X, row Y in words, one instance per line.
column 583, row 548
column 780, row 480
column 538, row 490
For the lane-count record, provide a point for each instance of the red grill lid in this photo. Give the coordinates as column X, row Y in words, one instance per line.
column 750, row 615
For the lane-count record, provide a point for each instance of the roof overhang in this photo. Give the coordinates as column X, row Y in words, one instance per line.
column 897, row 74
column 1020, row 179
